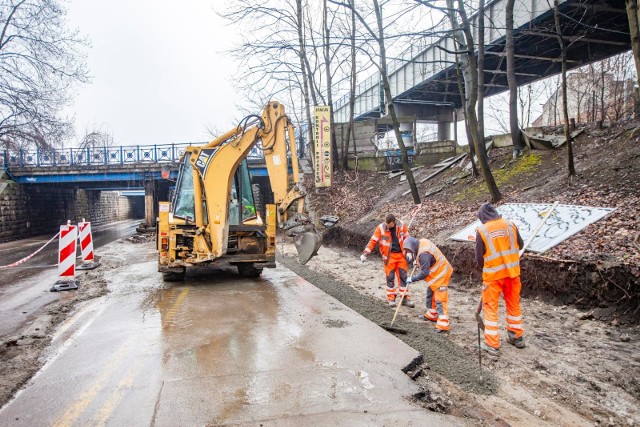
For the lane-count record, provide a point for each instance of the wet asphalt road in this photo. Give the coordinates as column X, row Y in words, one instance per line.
column 24, row 290
column 218, row 349
column 11, row 252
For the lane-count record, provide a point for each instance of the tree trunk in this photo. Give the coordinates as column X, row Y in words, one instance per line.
column 514, row 126
column 305, row 79
column 470, row 74
column 352, row 95
column 481, row 69
column 633, row 14
column 565, row 111
column 327, row 64
column 472, row 149
column 391, row 108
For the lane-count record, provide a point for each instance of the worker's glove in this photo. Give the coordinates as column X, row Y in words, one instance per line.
column 363, row 258
column 409, row 257
column 409, row 280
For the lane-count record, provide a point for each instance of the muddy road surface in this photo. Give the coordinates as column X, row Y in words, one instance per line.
column 215, row 350
column 575, row 370
column 24, row 290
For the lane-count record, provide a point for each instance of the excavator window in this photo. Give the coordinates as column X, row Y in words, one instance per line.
column 241, row 206
column 183, row 203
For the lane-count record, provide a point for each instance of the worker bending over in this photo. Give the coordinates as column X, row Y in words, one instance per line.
column 498, row 243
column 390, row 235
column 436, row 271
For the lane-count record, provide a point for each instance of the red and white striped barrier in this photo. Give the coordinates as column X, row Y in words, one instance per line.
column 86, row 246
column 67, row 246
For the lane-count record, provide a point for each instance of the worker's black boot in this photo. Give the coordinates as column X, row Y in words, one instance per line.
column 408, row 303
column 516, row 342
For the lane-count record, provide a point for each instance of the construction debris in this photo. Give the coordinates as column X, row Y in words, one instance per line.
column 547, row 142
column 329, row 220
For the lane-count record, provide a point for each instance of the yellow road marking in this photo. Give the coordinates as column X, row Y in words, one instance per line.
column 85, row 399
column 171, row 313
column 114, row 400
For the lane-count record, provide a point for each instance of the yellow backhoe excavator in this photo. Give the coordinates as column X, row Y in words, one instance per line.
column 213, row 216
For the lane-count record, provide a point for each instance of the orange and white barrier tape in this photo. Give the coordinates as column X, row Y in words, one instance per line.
column 28, row 257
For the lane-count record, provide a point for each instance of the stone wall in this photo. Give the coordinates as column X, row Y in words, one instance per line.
column 29, row 210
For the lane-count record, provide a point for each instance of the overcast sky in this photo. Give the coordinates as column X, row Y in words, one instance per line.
column 159, row 75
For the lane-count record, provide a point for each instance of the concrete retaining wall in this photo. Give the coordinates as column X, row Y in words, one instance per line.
column 38, row 209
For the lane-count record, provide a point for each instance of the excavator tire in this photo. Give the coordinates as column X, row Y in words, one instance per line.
column 249, row 270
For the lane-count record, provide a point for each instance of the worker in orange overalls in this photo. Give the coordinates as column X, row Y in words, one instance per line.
column 436, row 271
column 498, row 243
column 390, row 235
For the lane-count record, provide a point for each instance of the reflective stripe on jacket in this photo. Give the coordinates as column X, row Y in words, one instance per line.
column 441, row 271
column 501, row 258
column 382, row 235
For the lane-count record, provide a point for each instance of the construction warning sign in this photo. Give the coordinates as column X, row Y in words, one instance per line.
column 322, row 140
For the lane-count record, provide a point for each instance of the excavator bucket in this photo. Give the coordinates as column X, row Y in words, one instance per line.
column 307, row 245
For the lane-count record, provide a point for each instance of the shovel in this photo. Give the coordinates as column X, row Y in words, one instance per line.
column 390, row 328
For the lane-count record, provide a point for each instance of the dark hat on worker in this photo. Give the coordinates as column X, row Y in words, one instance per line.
column 411, row 244
column 487, row 212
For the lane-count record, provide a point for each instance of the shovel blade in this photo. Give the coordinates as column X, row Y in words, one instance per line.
column 307, row 245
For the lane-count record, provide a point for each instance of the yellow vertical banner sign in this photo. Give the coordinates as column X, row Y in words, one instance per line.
column 322, row 141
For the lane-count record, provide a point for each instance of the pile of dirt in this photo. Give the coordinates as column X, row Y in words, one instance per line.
column 598, row 268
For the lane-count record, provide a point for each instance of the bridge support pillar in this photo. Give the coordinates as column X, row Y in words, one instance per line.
column 150, row 202
column 444, row 131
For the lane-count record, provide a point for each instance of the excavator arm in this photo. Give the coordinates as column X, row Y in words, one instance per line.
column 213, row 168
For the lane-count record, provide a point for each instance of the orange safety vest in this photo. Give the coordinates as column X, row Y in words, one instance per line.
column 501, row 256
column 382, row 235
column 441, row 271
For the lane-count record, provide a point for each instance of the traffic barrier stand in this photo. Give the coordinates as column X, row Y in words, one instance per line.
column 67, row 246
column 86, row 246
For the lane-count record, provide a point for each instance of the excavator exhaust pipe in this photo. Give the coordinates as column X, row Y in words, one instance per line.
column 307, row 245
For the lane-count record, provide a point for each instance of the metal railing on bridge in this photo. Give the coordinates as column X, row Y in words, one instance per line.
column 94, row 156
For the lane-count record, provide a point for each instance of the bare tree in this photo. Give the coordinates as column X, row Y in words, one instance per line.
column 463, row 38
column 633, row 14
column 40, row 62
column 352, row 91
column 96, row 137
column 514, row 125
column 565, row 112
column 480, row 69
column 379, row 38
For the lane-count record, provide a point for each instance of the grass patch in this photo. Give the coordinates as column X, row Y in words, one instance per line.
column 524, row 166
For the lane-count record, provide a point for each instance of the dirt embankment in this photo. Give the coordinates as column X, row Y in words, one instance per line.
column 598, row 269
column 610, row 292
column 581, row 299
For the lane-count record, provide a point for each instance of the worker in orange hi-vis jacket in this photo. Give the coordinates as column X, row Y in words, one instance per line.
column 390, row 236
column 498, row 243
column 434, row 269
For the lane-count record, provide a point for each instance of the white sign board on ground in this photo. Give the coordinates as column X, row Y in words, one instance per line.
column 564, row 221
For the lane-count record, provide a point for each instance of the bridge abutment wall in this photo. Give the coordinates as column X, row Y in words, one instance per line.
column 30, row 210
